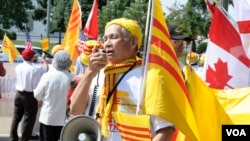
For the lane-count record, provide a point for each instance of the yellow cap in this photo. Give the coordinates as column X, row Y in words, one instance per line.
column 84, row 59
column 131, row 25
column 192, row 58
column 56, row 48
column 88, row 46
column 87, row 50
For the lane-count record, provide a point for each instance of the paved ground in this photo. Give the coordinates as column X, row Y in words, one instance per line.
column 6, row 112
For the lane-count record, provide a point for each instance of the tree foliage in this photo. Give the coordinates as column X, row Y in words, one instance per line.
column 15, row 13
column 133, row 9
column 112, row 10
column 40, row 12
column 137, row 11
column 192, row 18
column 60, row 13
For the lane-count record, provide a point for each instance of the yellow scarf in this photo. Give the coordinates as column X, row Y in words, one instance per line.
column 111, row 75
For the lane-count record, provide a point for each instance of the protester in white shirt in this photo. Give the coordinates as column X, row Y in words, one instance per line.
column 25, row 105
column 122, row 39
column 51, row 93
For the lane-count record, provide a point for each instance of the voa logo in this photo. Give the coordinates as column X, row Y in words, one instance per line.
column 236, row 132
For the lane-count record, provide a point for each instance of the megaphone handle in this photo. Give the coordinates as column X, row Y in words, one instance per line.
column 92, row 106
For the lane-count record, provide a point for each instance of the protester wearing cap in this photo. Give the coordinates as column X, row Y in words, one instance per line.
column 25, row 105
column 51, row 93
column 122, row 39
column 178, row 40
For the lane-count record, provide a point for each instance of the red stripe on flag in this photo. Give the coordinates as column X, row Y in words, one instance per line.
column 161, row 44
column 244, row 26
column 174, row 136
column 131, row 139
column 11, row 51
column 75, row 19
column 124, row 129
column 168, row 67
column 161, row 27
column 133, row 133
column 132, row 127
column 75, row 24
column 76, row 11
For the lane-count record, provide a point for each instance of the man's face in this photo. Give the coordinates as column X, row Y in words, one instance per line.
column 117, row 47
column 178, row 47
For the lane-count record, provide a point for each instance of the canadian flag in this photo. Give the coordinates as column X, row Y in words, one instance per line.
column 227, row 64
column 242, row 9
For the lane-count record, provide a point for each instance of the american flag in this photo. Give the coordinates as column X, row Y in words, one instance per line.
column 28, row 43
column 82, row 39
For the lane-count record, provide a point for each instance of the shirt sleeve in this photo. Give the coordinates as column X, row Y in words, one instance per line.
column 158, row 123
column 39, row 91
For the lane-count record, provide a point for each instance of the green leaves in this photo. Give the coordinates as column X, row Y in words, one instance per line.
column 15, row 13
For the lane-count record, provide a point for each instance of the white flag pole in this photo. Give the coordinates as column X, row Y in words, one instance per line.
column 146, row 49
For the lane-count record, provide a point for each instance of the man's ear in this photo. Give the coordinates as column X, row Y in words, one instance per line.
column 134, row 41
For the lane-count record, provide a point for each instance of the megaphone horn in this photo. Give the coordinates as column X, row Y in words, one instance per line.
column 81, row 128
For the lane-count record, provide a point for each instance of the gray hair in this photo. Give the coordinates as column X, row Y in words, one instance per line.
column 126, row 33
column 62, row 60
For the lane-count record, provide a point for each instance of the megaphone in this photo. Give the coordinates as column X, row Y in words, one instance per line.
column 81, row 128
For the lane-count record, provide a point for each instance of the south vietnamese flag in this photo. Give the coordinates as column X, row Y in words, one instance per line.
column 242, row 8
column 227, row 64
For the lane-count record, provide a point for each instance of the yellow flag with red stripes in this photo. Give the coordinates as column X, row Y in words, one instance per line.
column 45, row 44
column 9, row 48
column 71, row 38
column 133, row 127
column 166, row 94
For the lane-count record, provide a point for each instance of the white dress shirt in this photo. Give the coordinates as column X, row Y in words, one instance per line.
column 28, row 75
column 52, row 90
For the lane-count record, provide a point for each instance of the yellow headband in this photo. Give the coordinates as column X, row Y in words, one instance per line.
column 130, row 25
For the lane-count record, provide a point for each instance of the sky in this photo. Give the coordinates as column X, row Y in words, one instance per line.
column 169, row 3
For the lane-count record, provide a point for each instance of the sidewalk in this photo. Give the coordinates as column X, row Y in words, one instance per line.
column 5, row 123
column 6, row 112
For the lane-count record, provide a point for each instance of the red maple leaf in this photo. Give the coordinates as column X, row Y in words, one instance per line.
column 219, row 77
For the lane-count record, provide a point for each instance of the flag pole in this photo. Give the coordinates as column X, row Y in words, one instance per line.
column 145, row 55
